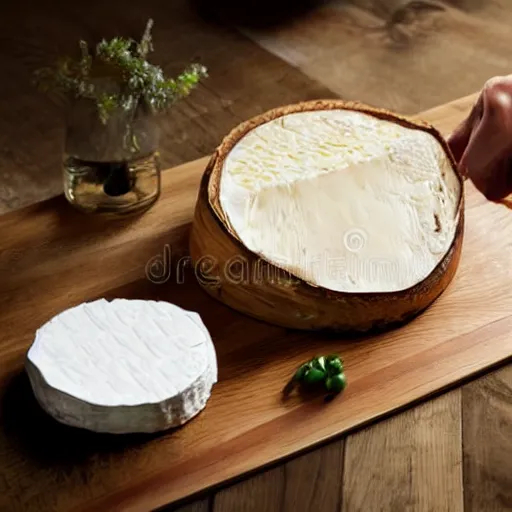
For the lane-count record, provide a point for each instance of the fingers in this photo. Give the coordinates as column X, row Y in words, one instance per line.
column 491, row 135
column 482, row 144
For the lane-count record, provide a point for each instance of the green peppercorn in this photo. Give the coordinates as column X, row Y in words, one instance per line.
column 336, row 383
column 327, row 370
column 301, row 372
column 314, row 376
column 334, row 366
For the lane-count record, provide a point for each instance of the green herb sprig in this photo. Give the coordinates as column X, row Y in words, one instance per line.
column 326, row 370
column 123, row 61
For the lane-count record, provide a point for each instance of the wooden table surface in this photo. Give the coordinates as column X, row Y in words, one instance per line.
column 451, row 453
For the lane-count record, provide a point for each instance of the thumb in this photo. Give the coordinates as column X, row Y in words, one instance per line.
column 461, row 136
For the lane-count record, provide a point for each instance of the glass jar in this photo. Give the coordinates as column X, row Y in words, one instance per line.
column 111, row 168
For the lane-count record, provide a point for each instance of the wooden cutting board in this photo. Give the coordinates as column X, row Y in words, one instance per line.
column 52, row 258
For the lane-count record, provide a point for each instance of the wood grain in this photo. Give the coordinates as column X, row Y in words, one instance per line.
column 397, row 54
column 52, row 259
column 308, row 482
column 244, row 81
column 313, row 481
column 411, row 462
column 262, row 492
column 487, row 442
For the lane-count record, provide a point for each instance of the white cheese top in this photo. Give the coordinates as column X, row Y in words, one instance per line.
column 123, row 352
column 342, row 199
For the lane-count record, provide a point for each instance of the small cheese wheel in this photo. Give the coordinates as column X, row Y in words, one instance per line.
column 123, row 366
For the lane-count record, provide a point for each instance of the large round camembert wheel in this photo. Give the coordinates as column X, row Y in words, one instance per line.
column 329, row 215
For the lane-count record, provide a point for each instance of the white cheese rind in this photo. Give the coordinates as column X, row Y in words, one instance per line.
column 342, row 199
column 123, row 366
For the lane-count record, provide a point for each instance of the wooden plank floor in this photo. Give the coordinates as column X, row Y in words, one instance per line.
column 403, row 55
column 451, row 453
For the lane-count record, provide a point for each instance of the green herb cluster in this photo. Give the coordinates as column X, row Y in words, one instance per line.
column 327, row 370
column 124, row 62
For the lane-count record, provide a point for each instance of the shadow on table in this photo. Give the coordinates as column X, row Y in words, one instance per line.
column 47, row 442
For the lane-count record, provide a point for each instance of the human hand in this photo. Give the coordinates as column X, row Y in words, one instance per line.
column 482, row 143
